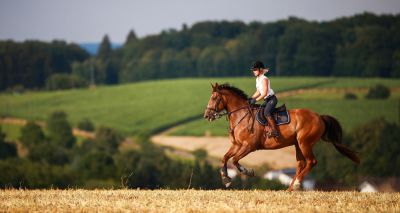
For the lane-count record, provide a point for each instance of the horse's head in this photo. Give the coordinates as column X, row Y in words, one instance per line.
column 215, row 105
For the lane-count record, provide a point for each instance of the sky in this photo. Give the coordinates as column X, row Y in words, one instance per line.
column 84, row 21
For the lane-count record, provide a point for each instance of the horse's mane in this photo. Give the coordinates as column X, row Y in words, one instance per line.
column 233, row 89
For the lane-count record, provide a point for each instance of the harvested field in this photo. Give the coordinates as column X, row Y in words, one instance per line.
column 195, row 201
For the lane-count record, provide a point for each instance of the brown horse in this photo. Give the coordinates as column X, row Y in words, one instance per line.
column 305, row 129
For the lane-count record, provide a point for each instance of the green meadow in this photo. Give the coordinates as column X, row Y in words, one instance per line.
column 12, row 132
column 350, row 113
column 152, row 106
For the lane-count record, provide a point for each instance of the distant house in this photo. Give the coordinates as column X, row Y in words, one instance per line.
column 232, row 173
column 285, row 177
column 367, row 187
column 380, row 185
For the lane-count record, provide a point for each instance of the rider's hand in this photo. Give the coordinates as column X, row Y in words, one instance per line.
column 251, row 101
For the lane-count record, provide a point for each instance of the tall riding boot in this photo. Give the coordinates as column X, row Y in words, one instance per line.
column 274, row 132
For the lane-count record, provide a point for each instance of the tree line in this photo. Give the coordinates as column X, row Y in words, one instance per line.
column 55, row 158
column 365, row 45
column 31, row 63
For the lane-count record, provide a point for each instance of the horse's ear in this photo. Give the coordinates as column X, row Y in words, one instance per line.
column 213, row 87
column 216, row 86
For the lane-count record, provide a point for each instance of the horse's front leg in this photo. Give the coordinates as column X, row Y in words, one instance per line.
column 244, row 150
column 226, row 180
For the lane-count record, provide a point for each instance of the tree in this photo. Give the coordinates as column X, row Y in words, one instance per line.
column 396, row 64
column 86, row 124
column 60, row 131
column 65, row 81
column 168, row 63
column 378, row 92
column 366, row 50
column 105, row 49
column 30, row 63
column 98, row 165
column 200, row 154
column 213, row 61
column 108, row 140
column 376, row 142
column 49, row 153
column 131, row 37
column 111, row 72
column 32, row 135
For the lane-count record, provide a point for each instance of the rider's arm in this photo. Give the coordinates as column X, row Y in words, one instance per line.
column 265, row 88
column 256, row 94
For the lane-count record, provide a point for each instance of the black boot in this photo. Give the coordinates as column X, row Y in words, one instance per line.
column 271, row 123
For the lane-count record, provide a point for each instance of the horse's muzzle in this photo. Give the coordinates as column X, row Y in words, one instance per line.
column 208, row 115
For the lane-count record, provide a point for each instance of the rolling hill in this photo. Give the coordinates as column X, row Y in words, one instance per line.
column 152, row 106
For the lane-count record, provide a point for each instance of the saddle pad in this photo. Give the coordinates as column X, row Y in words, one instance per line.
column 280, row 118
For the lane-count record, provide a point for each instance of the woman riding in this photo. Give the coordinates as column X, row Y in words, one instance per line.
column 264, row 92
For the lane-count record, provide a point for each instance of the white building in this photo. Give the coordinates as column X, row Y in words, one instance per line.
column 367, row 187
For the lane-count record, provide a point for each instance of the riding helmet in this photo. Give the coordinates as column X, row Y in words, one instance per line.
column 257, row 65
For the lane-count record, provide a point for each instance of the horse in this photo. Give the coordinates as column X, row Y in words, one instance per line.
column 305, row 129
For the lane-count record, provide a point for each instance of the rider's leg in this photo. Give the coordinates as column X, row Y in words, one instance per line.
column 270, row 105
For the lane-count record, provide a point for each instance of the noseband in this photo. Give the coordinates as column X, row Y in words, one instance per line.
column 218, row 114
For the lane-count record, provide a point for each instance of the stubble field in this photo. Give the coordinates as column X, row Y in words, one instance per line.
column 195, row 201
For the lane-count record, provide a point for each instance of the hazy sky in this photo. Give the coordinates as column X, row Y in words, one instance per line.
column 89, row 20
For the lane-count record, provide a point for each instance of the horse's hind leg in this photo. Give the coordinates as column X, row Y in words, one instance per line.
column 311, row 161
column 300, row 166
column 243, row 151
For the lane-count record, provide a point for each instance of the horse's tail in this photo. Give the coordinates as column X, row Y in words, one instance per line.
column 333, row 134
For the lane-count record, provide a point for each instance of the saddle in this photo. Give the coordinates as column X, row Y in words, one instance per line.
column 279, row 114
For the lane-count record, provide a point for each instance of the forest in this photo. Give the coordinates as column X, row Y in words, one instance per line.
column 364, row 45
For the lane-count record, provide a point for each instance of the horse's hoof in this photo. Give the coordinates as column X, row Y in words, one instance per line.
column 296, row 185
column 249, row 172
column 226, row 181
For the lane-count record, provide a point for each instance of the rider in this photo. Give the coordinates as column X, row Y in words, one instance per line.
column 265, row 92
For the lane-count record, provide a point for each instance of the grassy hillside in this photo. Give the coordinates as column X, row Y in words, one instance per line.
column 131, row 108
column 195, row 201
column 148, row 107
column 350, row 113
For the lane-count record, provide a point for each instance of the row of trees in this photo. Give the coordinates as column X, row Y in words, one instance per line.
column 362, row 45
column 31, row 63
column 56, row 159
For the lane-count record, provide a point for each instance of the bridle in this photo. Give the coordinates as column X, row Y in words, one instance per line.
column 217, row 114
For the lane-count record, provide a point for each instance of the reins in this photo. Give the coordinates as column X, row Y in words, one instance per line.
column 217, row 114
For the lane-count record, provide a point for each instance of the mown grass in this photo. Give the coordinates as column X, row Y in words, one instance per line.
column 149, row 107
column 195, row 201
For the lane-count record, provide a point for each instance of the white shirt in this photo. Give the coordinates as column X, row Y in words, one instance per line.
column 259, row 86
